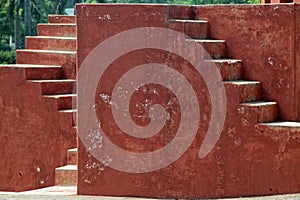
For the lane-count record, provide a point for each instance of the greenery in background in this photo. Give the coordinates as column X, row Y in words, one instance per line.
column 19, row 18
column 7, row 57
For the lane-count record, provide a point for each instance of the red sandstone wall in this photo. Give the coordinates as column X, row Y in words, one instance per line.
column 32, row 143
column 265, row 38
column 248, row 159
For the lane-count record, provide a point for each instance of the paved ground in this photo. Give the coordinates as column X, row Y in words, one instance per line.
column 69, row 193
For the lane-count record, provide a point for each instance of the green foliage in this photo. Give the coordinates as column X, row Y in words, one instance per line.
column 95, row 1
column 191, row 2
column 6, row 24
column 55, row 7
column 5, row 43
column 7, row 57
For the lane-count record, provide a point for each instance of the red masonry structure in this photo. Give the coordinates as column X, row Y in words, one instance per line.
column 254, row 47
column 256, row 50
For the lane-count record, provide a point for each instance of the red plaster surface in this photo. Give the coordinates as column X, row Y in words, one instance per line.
column 65, row 30
column 278, row 1
column 32, row 143
column 265, row 38
column 34, row 133
column 57, row 19
column 66, row 59
column 247, row 160
column 51, row 43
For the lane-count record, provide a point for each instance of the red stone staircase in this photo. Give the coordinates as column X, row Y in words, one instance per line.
column 49, row 60
column 56, row 45
column 250, row 92
column 62, row 47
column 51, row 40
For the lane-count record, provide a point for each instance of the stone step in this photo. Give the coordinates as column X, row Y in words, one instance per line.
column 64, row 101
column 51, row 43
column 63, row 19
column 285, row 131
column 283, row 124
column 65, row 59
column 230, row 69
column 45, row 57
column 66, row 175
column 265, row 111
column 70, row 114
column 53, row 87
column 72, row 156
column 247, row 91
column 36, row 72
column 196, row 29
column 67, row 123
column 62, row 30
column 216, row 49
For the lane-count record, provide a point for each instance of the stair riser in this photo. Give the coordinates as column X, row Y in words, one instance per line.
column 50, row 44
column 243, row 93
column 61, row 19
column 66, row 121
column 66, row 103
column 44, row 73
column 65, row 177
column 72, row 158
column 191, row 29
column 56, row 30
column 68, row 132
column 250, row 93
column 68, row 118
column 268, row 114
column 215, row 50
column 45, row 58
column 196, row 30
column 264, row 113
column 230, row 71
column 50, row 88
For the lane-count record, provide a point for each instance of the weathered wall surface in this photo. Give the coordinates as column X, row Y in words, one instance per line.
column 265, row 38
column 247, row 159
column 32, row 142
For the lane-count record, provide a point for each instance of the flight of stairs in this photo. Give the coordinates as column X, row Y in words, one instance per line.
column 54, row 51
column 50, row 57
column 250, row 92
column 67, row 175
column 231, row 70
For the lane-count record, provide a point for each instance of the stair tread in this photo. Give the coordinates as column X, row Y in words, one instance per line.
column 53, row 37
column 73, row 150
column 224, row 60
column 58, row 24
column 284, row 124
column 242, row 82
column 188, row 20
column 67, row 167
column 47, row 51
column 259, row 103
column 53, row 80
column 205, row 40
column 53, row 18
column 30, row 66
column 68, row 110
column 60, row 95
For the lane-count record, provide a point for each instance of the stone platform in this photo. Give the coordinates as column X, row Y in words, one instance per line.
column 69, row 192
